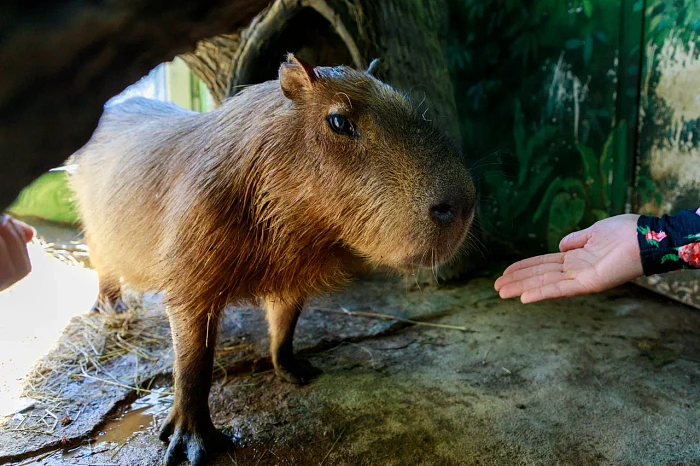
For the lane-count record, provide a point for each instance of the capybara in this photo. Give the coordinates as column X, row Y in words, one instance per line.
column 270, row 198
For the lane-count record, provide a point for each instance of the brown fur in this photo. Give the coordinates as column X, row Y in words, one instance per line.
column 262, row 200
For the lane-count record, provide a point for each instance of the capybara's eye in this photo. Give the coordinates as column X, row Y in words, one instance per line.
column 341, row 125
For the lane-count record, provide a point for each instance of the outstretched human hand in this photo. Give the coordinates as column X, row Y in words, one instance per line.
column 14, row 258
column 598, row 258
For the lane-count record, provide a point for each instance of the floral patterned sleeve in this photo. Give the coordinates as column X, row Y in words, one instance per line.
column 670, row 242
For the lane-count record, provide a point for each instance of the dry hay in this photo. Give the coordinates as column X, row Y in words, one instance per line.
column 93, row 346
column 75, row 253
column 118, row 349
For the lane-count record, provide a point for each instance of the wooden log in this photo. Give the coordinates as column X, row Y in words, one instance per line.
column 61, row 61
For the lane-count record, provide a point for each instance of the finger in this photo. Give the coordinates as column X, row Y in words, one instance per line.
column 518, row 288
column 13, row 240
column 16, row 247
column 7, row 268
column 575, row 240
column 562, row 289
column 25, row 265
column 556, row 257
column 529, row 272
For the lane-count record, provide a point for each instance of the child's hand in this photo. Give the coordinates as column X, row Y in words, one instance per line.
column 598, row 258
column 14, row 257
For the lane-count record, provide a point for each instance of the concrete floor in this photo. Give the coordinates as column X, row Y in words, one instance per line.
column 609, row 379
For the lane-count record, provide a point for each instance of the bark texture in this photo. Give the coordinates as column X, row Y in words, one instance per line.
column 212, row 62
column 61, row 61
column 407, row 36
column 410, row 38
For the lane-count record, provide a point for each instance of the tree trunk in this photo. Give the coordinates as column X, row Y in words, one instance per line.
column 407, row 36
column 62, row 61
column 212, row 62
column 410, row 40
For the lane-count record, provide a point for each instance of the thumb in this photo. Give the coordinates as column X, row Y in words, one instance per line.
column 575, row 240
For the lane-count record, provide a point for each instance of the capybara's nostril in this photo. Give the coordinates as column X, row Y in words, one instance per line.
column 443, row 213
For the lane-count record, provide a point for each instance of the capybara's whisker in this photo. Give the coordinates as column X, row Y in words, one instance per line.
column 421, row 102
column 478, row 164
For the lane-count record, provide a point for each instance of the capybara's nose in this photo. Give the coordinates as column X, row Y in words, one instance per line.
column 452, row 210
column 444, row 213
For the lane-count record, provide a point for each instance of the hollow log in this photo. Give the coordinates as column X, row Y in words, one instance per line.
column 61, row 61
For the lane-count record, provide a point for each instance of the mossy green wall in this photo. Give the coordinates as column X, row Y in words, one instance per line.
column 48, row 198
column 547, row 94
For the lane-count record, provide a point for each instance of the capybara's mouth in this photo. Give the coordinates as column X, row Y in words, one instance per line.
column 427, row 260
column 431, row 257
column 441, row 252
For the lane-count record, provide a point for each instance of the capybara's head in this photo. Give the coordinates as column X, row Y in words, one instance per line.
column 386, row 179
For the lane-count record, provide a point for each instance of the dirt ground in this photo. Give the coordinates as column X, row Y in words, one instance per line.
column 605, row 379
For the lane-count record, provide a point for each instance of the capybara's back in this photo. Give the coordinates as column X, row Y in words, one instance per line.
column 271, row 197
column 123, row 176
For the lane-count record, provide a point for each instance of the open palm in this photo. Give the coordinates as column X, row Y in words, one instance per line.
column 598, row 258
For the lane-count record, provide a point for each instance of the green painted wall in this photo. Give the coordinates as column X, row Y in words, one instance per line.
column 547, row 93
column 669, row 152
column 574, row 111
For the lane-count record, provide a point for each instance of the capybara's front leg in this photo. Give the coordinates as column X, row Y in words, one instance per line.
column 188, row 426
column 282, row 316
column 109, row 299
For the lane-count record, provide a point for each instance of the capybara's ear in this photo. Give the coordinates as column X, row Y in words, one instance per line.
column 372, row 67
column 296, row 76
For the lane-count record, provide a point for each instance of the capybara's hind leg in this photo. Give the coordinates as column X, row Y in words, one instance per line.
column 189, row 428
column 109, row 298
column 282, row 316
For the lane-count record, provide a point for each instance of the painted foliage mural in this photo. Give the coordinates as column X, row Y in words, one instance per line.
column 546, row 92
column 574, row 111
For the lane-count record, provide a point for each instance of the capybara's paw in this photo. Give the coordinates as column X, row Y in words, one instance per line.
column 115, row 307
column 297, row 371
column 192, row 441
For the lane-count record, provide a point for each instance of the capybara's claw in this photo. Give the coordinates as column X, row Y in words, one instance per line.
column 297, row 371
column 196, row 444
column 116, row 307
column 166, row 430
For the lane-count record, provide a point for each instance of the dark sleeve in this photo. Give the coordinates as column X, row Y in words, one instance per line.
column 670, row 242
